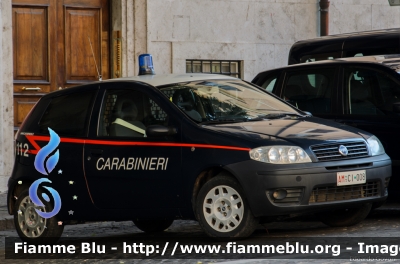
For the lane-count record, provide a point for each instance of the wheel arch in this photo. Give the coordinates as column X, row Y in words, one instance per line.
column 204, row 177
column 12, row 195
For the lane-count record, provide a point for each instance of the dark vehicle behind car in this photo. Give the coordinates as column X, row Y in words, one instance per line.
column 362, row 92
column 346, row 45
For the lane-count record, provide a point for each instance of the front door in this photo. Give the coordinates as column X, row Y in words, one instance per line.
column 55, row 45
column 125, row 169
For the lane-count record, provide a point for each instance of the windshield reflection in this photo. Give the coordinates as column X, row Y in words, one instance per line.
column 226, row 101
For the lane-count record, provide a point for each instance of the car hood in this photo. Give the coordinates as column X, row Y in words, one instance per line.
column 299, row 131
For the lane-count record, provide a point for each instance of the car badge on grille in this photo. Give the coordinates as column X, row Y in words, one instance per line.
column 343, row 150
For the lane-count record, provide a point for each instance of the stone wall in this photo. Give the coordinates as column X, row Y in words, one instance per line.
column 360, row 15
column 260, row 33
column 6, row 98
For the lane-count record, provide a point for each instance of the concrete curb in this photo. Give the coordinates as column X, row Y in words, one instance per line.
column 6, row 220
column 7, row 223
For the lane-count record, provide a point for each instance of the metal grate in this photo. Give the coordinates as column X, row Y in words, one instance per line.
column 231, row 68
column 331, row 151
column 342, row 193
column 293, row 197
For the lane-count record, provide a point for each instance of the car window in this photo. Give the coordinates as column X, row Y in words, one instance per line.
column 67, row 115
column 319, row 57
column 222, row 100
column 369, row 92
column 127, row 113
column 270, row 83
column 310, row 90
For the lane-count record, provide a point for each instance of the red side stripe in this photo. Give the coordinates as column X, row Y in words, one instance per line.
column 32, row 139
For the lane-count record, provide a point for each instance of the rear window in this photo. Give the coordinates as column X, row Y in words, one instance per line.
column 67, row 115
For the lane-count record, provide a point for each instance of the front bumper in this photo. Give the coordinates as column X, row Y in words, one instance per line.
column 311, row 187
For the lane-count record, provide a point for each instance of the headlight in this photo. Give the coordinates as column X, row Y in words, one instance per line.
column 375, row 146
column 280, row 155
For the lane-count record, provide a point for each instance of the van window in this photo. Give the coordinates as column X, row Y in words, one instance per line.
column 369, row 92
column 319, row 57
column 310, row 90
column 127, row 113
column 67, row 115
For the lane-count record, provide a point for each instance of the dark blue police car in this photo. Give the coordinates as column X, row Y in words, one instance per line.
column 214, row 148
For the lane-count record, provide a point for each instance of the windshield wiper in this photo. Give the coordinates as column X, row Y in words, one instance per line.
column 222, row 121
column 281, row 115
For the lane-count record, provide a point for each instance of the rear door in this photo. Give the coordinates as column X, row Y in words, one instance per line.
column 68, row 116
column 124, row 168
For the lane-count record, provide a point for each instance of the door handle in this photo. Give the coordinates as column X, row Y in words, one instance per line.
column 31, row 88
column 96, row 152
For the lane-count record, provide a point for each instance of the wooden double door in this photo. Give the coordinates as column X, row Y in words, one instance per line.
column 57, row 44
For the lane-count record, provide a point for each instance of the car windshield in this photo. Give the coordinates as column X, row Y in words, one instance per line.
column 226, row 101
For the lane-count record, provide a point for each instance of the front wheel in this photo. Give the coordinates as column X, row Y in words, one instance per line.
column 30, row 226
column 345, row 217
column 222, row 209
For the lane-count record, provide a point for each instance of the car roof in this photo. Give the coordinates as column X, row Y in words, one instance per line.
column 164, row 79
column 343, row 36
column 391, row 61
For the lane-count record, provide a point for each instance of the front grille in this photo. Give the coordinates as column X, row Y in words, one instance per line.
column 293, row 197
column 342, row 193
column 328, row 152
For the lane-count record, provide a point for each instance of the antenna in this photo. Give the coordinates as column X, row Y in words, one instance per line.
column 95, row 63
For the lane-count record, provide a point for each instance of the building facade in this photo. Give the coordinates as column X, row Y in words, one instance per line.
column 242, row 37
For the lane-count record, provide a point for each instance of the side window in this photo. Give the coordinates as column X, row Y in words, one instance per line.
column 310, row 90
column 67, row 115
column 370, row 92
column 319, row 57
column 269, row 83
column 127, row 113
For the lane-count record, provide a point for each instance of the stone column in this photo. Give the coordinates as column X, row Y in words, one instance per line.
column 6, row 94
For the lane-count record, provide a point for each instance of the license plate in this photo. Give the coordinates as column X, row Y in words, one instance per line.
column 351, row 177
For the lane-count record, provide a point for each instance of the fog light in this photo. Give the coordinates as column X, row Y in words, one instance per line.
column 386, row 191
column 279, row 194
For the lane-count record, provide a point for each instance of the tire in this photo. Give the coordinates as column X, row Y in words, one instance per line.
column 31, row 227
column 153, row 226
column 223, row 211
column 345, row 217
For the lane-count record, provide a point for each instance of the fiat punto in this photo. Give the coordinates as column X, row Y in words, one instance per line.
column 213, row 148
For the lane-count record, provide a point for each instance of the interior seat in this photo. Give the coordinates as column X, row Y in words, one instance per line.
column 183, row 98
column 359, row 99
column 125, row 123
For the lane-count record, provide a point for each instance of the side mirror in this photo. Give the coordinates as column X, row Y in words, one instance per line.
column 396, row 108
column 159, row 131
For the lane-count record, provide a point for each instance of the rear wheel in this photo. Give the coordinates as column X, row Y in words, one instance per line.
column 222, row 209
column 345, row 217
column 153, row 226
column 30, row 226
